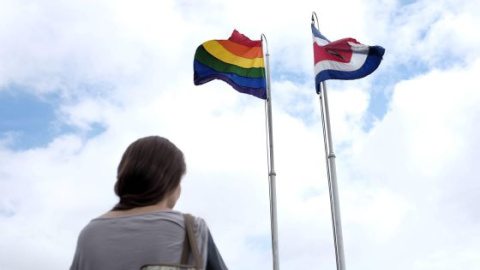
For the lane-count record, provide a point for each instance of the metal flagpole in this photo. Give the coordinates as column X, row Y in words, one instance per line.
column 271, row 167
column 331, row 174
column 332, row 181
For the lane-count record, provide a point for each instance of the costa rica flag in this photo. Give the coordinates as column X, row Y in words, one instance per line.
column 344, row 59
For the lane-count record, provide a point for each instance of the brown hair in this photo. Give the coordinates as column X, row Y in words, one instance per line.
column 151, row 168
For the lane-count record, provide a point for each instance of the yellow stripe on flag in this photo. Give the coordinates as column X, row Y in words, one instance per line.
column 218, row 51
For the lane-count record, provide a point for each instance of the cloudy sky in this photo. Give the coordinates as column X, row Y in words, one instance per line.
column 81, row 80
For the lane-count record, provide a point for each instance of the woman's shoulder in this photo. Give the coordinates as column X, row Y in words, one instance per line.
column 200, row 223
column 168, row 215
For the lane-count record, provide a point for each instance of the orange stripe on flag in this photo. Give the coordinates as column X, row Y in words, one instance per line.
column 241, row 50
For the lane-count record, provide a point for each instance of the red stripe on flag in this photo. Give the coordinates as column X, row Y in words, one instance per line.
column 339, row 51
column 242, row 39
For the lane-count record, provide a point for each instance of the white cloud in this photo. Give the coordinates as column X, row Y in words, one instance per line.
column 425, row 34
column 423, row 153
column 407, row 186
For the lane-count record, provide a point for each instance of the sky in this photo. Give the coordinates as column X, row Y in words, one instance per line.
column 81, row 80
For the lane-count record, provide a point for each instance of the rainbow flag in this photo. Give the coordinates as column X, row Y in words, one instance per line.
column 237, row 61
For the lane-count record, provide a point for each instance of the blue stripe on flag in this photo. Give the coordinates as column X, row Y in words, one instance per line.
column 205, row 71
column 317, row 33
column 252, row 86
column 375, row 54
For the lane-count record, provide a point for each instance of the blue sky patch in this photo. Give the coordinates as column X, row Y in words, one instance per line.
column 29, row 118
column 29, row 121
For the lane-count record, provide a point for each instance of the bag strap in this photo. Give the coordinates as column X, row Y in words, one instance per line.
column 191, row 241
column 186, row 246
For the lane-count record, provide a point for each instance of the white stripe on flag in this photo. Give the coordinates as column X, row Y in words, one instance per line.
column 359, row 55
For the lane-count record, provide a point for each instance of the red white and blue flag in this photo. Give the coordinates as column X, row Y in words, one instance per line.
column 344, row 59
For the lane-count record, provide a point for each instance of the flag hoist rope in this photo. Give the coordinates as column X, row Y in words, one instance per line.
column 331, row 172
column 270, row 160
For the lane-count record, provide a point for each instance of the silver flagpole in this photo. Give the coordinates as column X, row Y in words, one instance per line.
column 332, row 181
column 331, row 173
column 271, row 167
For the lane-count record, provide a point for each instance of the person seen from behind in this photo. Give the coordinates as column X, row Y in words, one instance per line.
column 142, row 228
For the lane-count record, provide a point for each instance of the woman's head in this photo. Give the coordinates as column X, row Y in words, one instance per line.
column 150, row 170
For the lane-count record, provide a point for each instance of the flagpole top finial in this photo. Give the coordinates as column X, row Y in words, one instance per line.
column 315, row 19
column 264, row 39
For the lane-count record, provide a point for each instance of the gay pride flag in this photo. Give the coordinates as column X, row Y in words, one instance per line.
column 344, row 59
column 238, row 61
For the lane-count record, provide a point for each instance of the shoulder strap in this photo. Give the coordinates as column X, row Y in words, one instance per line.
column 186, row 246
column 191, row 241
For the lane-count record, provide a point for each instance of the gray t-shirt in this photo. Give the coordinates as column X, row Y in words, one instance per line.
column 128, row 242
